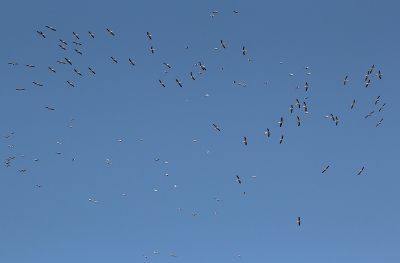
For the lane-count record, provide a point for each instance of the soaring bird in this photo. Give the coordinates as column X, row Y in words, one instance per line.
column 381, row 108
column 179, row 83
column 377, row 99
column 298, row 121
column 367, row 84
column 113, row 59
column 132, row 62
column 52, row 69
column 77, row 72
column 216, row 127
column 91, row 70
column 280, row 122
column 167, row 65
column 361, row 170
column 298, row 103
column 245, row 141
column 238, row 179
column 69, row 61
column 267, row 132
column 291, row 108
column 369, row 114
column 332, row 117
column 366, row 76
column 325, row 169
column 37, row 84
column 62, row 47
column 69, row 83
column 49, row 108
column 244, row 50
column 336, row 121
column 305, row 106
column 281, row 139
column 75, row 35
column 30, row 66
column 78, row 51
column 91, row 34
column 298, row 221
column 42, row 34
column 152, row 49
column 306, row 86
column 352, row 104
column 379, row 74
column 20, row 89
column 77, row 43
column 60, row 61
column 13, row 63
column 161, row 83
column 202, row 66
column 379, row 123
column 223, row 44
column 51, row 28
column 371, row 69
column 345, row 80
column 63, row 41
column 110, row 31
column 192, row 76
column 148, row 35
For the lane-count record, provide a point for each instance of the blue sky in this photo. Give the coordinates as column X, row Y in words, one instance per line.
column 345, row 217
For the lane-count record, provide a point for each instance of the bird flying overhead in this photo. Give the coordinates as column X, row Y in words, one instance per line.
column 238, row 179
column 325, row 169
column 216, row 127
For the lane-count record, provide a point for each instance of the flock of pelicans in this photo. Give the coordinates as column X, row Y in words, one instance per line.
column 63, row 45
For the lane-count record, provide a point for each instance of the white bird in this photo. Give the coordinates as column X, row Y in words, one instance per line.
column 91, row 34
column 244, row 50
column 113, row 59
column 381, row 108
column 52, row 69
column 51, row 28
column 75, row 35
column 281, row 139
column 325, row 169
column 69, row 83
column 161, row 83
column 41, row 33
column 132, row 62
column 179, row 83
column 298, row 221
column 152, row 49
column 361, row 170
column 280, row 122
column 91, row 70
column 37, row 84
column 69, row 61
column 192, row 76
column 110, row 31
column 149, row 36
column 30, row 66
column 267, row 132
column 223, row 44
column 167, row 65
column 379, row 123
column 78, row 51
column 345, row 80
column 77, row 72
column 77, row 43
column 352, row 104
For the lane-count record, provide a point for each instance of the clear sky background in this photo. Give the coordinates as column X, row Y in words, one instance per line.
column 345, row 217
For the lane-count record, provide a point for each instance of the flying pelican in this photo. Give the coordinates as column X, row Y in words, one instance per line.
column 69, row 83
column 336, row 121
column 167, row 65
column 91, row 70
column 223, row 44
column 298, row 103
column 267, row 132
column 161, row 83
column 298, row 121
column 91, row 34
column 75, row 35
column 280, row 122
column 30, row 66
column 352, row 104
column 345, row 80
column 41, row 33
column 281, row 139
column 179, row 83
column 132, row 62
column 110, row 31
column 202, row 66
column 369, row 115
column 306, row 86
column 52, row 69
column 78, row 51
column 379, row 74
column 298, row 221
column 113, row 59
column 152, row 49
column 77, row 72
column 377, row 99
column 192, row 76
column 216, row 127
column 60, row 61
column 20, row 89
column 244, row 50
column 367, row 84
column 69, row 61
column 361, row 170
column 291, row 108
column 332, row 117
column 49, row 108
column 325, row 169
column 304, row 105
column 381, row 108
column 235, row 11
column 371, row 69
column 238, row 179
column 51, row 28
column 148, row 35
column 379, row 123
column 13, row 63
column 62, row 47
column 245, row 141
column 77, row 43
column 37, row 84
